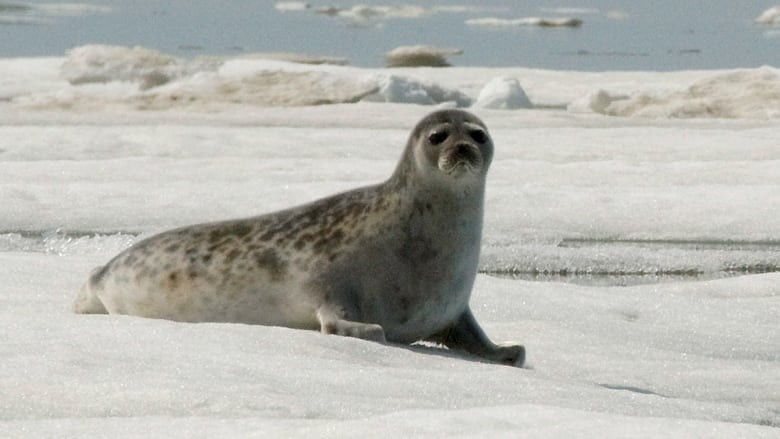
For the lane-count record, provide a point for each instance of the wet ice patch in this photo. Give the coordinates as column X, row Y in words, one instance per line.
column 64, row 243
column 628, row 262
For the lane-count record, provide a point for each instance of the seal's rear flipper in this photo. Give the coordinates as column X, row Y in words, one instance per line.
column 332, row 323
column 86, row 301
column 466, row 335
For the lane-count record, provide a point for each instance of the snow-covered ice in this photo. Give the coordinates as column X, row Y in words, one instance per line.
column 576, row 186
column 681, row 360
column 141, row 78
column 751, row 93
column 149, row 68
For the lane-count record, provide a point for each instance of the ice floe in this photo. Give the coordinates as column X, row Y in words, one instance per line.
column 770, row 16
column 24, row 13
column 291, row 6
column 526, row 21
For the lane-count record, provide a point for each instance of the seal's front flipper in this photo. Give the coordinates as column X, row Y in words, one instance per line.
column 466, row 335
column 332, row 323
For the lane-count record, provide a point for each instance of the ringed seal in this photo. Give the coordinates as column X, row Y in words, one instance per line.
column 390, row 262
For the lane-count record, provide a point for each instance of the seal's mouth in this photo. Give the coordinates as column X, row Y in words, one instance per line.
column 460, row 158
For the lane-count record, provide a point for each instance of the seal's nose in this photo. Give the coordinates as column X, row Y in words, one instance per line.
column 467, row 152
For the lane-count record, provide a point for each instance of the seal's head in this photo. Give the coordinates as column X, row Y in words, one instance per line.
column 450, row 144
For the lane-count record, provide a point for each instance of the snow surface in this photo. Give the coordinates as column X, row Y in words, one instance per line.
column 88, row 168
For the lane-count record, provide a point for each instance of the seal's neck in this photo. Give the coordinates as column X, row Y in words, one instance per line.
column 403, row 174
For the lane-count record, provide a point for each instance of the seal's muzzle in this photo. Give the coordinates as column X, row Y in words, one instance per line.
column 463, row 156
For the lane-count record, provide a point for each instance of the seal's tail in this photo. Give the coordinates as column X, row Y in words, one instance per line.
column 87, row 302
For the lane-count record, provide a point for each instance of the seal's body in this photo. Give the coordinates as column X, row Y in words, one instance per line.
column 394, row 261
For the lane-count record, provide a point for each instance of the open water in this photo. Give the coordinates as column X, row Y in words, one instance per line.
column 614, row 35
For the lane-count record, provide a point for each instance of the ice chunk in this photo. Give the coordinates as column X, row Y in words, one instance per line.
column 503, row 93
column 596, row 101
column 381, row 11
column 400, row 89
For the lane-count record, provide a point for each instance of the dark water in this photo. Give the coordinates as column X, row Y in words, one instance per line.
column 625, row 35
column 681, row 260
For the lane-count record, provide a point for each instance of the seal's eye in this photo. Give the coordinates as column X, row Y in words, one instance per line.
column 437, row 137
column 479, row 136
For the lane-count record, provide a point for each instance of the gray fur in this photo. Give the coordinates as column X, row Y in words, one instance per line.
column 391, row 262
